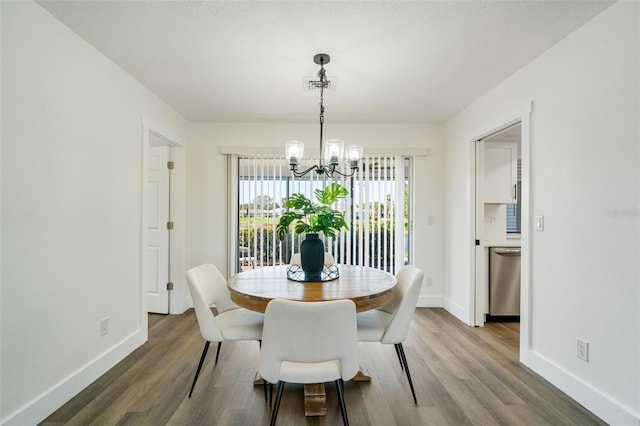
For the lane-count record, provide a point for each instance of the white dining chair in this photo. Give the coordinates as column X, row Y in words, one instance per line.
column 328, row 259
column 208, row 287
column 390, row 323
column 309, row 342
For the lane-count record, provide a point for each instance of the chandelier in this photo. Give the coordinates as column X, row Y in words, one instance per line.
column 332, row 150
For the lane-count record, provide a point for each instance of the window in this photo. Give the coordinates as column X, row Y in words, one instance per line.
column 377, row 211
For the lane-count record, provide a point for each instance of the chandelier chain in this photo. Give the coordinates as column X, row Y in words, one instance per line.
column 323, row 82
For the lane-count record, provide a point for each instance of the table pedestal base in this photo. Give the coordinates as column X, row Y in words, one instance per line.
column 315, row 395
column 315, row 400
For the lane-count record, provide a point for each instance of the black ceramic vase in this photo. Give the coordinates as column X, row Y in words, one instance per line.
column 312, row 257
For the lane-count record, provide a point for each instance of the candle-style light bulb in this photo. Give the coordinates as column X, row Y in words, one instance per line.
column 334, row 149
column 354, row 154
column 294, row 151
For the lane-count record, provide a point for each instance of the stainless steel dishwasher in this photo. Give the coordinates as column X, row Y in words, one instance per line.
column 504, row 281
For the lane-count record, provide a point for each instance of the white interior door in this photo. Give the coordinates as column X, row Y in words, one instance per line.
column 157, row 251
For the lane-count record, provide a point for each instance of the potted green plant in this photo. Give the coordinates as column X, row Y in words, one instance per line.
column 312, row 219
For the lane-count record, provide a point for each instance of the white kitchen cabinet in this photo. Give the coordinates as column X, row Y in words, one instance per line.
column 500, row 172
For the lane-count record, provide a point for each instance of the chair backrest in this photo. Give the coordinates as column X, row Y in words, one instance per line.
column 403, row 304
column 207, row 287
column 328, row 259
column 309, row 332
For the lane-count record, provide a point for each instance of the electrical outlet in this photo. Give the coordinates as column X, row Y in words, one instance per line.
column 428, row 281
column 582, row 350
column 104, row 326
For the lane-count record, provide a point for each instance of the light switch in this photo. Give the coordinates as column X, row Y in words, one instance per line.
column 540, row 223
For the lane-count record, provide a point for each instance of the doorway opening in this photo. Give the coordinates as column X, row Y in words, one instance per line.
column 498, row 225
column 500, row 187
column 159, row 267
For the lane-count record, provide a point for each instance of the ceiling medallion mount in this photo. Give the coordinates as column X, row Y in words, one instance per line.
column 332, row 150
column 322, row 59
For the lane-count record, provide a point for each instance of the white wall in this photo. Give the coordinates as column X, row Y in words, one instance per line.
column 584, row 148
column 207, row 185
column 71, row 185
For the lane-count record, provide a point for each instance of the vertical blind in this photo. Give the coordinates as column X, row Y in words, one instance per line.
column 376, row 210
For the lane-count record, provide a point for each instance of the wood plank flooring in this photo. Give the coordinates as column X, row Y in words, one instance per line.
column 462, row 376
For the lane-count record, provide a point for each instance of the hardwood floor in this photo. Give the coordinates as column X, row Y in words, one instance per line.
column 462, row 376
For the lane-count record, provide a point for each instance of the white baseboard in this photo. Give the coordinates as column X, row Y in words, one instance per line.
column 430, row 302
column 600, row 404
column 457, row 310
column 53, row 398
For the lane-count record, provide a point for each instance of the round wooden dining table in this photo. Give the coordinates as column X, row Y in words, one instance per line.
column 368, row 288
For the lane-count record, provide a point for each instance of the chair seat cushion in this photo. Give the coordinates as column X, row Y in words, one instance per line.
column 372, row 325
column 317, row 372
column 240, row 324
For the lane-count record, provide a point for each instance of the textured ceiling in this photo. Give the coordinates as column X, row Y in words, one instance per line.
column 395, row 62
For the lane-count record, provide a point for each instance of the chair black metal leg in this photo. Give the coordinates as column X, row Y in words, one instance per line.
column 399, row 357
column 204, row 354
column 218, row 353
column 274, row 413
column 343, row 408
column 406, row 370
column 266, row 385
